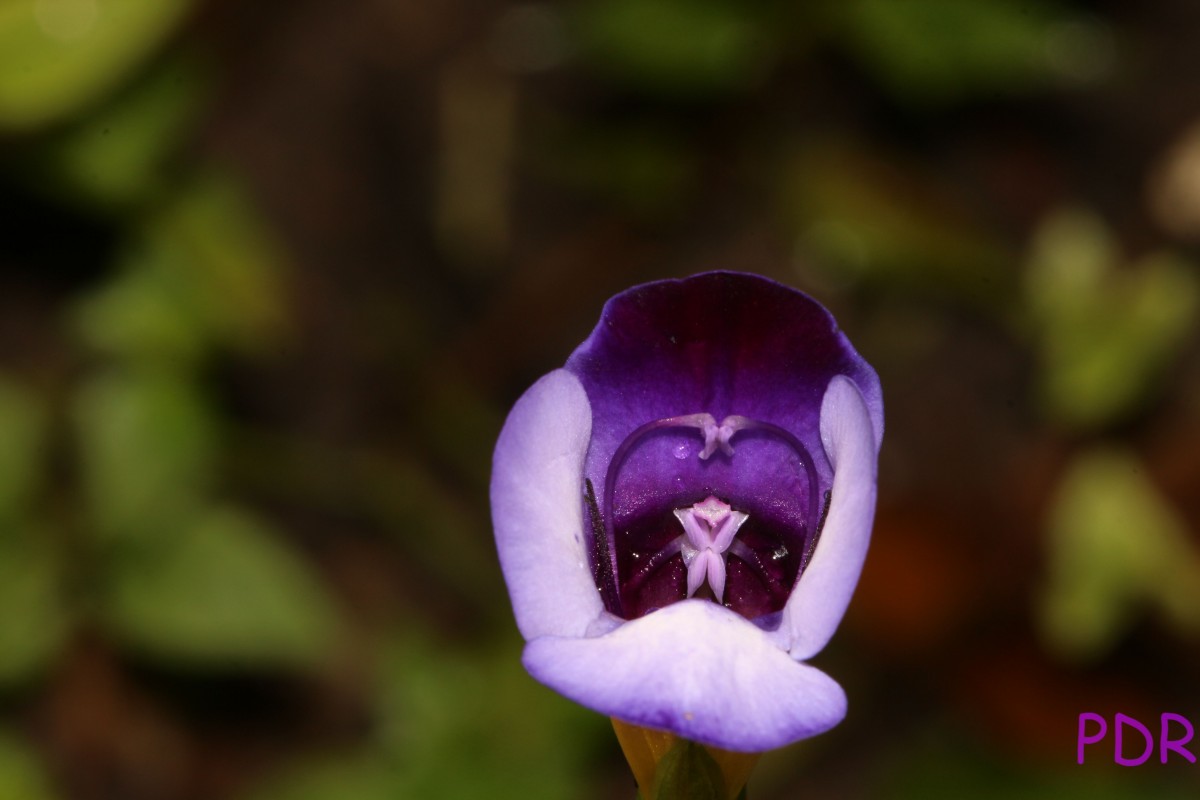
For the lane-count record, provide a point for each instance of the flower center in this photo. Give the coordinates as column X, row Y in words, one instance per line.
column 674, row 522
column 708, row 531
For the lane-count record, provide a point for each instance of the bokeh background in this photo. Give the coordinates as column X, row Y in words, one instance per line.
column 272, row 273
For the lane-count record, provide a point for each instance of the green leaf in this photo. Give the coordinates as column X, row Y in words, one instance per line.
column 220, row 590
column 204, row 271
column 1116, row 546
column 646, row 170
column 358, row 777
column 441, row 710
column 688, row 772
column 22, row 777
column 115, row 158
column 867, row 218
column 57, row 56
column 223, row 266
column 457, row 724
column 137, row 316
column 1106, row 333
column 147, row 447
column 676, row 46
column 36, row 622
column 1072, row 256
column 935, row 49
column 22, row 430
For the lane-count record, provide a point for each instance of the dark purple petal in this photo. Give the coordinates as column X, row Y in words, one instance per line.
column 717, row 344
column 723, row 343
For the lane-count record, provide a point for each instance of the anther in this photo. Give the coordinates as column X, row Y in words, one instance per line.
column 708, row 531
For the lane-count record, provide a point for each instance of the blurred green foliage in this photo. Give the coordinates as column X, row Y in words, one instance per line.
column 941, row 764
column 36, row 626
column 1116, row 547
column 171, row 569
column 63, row 55
column 221, row 591
column 456, row 724
column 1106, row 330
column 29, row 569
column 867, row 219
column 147, row 449
column 116, row 158
column 199, row 273
column 23, row 429
column 942, row 49
column 687, row 47
column 21, row 776
column 643, row 170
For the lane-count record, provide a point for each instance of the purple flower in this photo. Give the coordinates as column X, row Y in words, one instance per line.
column 682, row 512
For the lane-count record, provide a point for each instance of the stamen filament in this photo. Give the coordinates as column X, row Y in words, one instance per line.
column 709, row 528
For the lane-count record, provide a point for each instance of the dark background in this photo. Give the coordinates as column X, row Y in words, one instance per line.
column 272, row 273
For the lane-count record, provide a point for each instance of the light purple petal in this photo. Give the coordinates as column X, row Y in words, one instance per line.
column 695, row 669
column 537, row 510
column 823, row 592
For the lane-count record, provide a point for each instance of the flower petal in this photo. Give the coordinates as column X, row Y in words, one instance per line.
column 719, row 343
column 697, row 670
column 716, row 344
column 537, row 509
column 823, row 592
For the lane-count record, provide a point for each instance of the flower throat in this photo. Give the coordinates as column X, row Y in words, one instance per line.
column 707, row 545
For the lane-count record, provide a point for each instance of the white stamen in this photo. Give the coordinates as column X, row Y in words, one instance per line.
column 716, row 437
column 709, row 528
